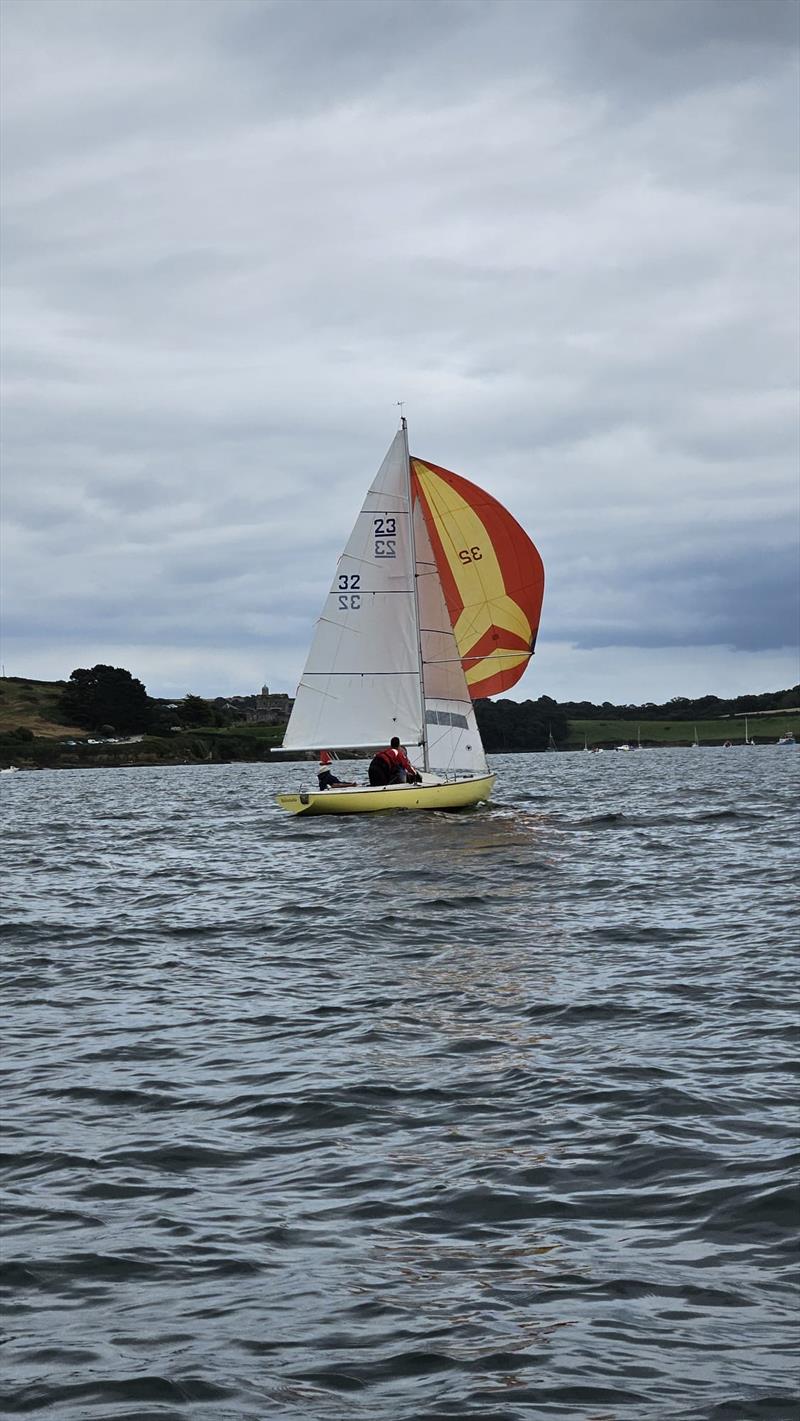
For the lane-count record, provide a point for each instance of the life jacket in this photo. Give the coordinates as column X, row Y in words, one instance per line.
column 389, row 756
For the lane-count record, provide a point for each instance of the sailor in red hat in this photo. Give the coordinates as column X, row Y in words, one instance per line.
column 326, row 777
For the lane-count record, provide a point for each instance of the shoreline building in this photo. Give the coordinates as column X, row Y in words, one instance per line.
column 269, row 707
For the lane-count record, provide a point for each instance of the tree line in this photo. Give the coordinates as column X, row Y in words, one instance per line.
column 521, row 725
column 109, row 700
column 684, row 708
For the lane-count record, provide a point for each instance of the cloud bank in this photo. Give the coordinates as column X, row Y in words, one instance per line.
column 565, row 233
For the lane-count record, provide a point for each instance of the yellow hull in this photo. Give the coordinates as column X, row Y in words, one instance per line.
column 458, row 794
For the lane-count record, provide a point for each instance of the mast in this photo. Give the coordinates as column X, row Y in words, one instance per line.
column 413, row 546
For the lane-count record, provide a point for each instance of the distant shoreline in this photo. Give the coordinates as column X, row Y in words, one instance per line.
column 145, row 762
column 33, row 735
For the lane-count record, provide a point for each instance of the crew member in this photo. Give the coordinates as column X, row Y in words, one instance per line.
column 326, row 777
column 392, row 766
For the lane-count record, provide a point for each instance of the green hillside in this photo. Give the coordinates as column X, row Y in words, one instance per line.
column 765, row 729
column 34, row 705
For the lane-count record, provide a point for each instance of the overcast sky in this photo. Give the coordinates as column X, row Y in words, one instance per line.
column 565, row 232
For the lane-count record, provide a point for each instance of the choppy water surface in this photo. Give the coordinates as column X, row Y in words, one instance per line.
column 417, row 1116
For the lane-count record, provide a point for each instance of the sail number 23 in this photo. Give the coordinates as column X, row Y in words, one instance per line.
column 385, row 531
column 349, row 593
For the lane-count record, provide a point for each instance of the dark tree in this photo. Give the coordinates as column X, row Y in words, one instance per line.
column 106, row 696
column 193, row 710
column 520, row 725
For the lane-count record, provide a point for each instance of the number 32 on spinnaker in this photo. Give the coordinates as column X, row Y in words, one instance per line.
column 435, row 602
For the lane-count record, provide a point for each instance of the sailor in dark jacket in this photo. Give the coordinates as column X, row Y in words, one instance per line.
column 326, row 777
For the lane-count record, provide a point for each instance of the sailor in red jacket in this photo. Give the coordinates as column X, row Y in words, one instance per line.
column 392, row 766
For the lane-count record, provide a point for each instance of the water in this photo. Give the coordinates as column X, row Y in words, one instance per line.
column 419, row 1116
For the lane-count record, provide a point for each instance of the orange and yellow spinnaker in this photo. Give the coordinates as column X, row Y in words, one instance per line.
column 491, row 573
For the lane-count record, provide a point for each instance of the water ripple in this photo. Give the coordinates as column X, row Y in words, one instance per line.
column 479, row 1116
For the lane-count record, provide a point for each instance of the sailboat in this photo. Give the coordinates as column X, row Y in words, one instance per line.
column 435, row 602
column 696, row 741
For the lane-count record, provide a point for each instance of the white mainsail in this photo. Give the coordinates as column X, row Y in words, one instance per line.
column 361, row 683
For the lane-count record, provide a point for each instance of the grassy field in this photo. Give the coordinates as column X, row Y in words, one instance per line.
column 33, row 704
column 764, row 729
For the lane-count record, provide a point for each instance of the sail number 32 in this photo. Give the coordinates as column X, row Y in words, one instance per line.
column 349, row 593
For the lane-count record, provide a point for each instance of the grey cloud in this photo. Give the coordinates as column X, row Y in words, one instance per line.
column 640, row 54
column 742, row 600
column 237, row 233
